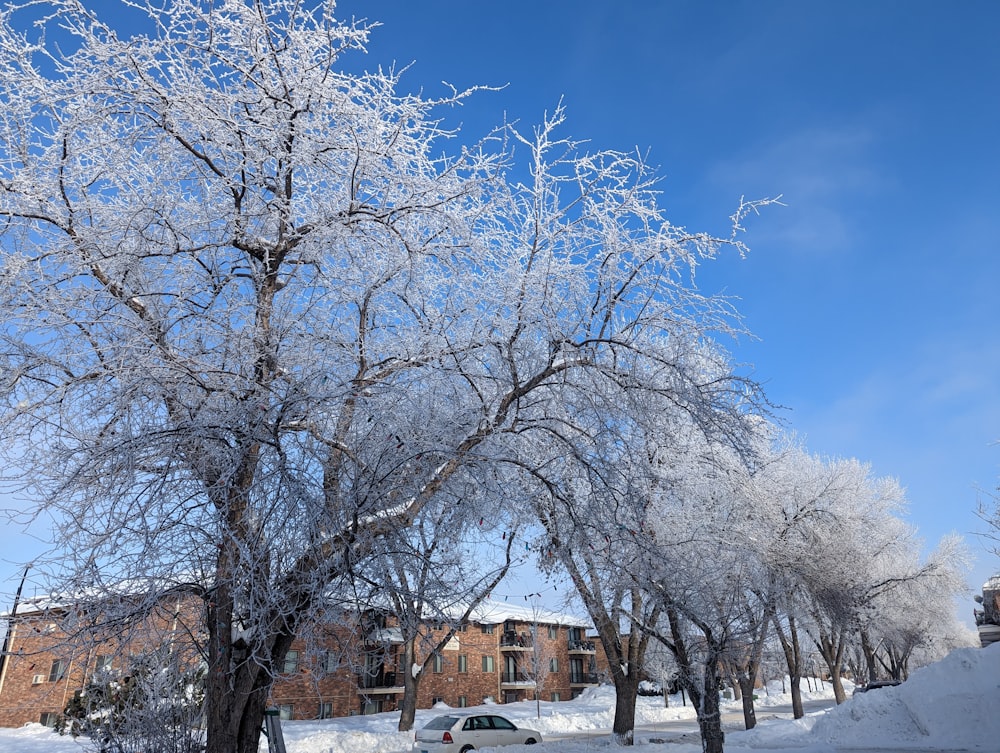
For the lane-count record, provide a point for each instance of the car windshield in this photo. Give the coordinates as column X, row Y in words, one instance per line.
column 441, row 722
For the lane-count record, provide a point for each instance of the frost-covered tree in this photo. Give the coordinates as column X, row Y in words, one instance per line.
column 432, row 575
column 584, row 517
column 640, row 520
column 795, row 492
column 255, row 315
column 701, row 569
column 911, row 608
column 862, row 556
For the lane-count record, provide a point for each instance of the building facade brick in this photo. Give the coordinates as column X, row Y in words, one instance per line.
column 340, row 670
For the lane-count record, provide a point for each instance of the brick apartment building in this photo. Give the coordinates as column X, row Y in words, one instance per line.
column 48, row 658
column 353, row 667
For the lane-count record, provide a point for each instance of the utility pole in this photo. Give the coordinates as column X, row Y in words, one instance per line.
column 10, row 627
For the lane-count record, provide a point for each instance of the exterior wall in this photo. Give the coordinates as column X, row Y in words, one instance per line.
column 508, row 647
column 333, row 673
column 48, row 660
column 450, row 685
column 29, row 690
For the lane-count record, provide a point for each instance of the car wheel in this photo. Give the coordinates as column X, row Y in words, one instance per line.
column 467, row 748
column 530, row 741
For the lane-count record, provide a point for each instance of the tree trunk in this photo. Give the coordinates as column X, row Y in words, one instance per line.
column 746, row 694
column 838, row 685
column 236, row 698
column 869, row 651
column 626, row 692
column 732, row 671
column 709, row 714
column 795, row 688
column 411, row 685
column 792, row 650
column 831, row 648
column 240, row 676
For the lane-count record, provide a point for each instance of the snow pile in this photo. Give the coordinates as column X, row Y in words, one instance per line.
column 34, row 738
column 952, row 704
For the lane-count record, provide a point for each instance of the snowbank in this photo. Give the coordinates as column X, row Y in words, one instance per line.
column 953, row 704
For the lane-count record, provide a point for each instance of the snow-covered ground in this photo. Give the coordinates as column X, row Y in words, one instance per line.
column 953, row 705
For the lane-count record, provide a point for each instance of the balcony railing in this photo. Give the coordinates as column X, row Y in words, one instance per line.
column 517, row 678
column 513, row 640
column 583, row 678
column 380, row 680
column 588, row 646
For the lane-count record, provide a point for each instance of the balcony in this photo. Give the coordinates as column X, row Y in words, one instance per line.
column 515, row 642
column 582, row 647
column 516, row 680
column 583, row 678
column 382, row 682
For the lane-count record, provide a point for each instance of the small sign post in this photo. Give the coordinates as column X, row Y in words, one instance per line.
column 272, row 728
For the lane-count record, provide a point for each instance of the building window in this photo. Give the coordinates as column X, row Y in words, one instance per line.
column 554, row 664
column 487, row 629
column 103, row 664
column 463, row 664
column 553, row 632
column 464, row 627
column 436, row 700
column 371, row 706
column 326, row 710
column 330, row 662
column 488, row 665
column 58, row 670
column 291, row 662
column 285, row 711
column 48, row 719
column 555, row 696
column 462, row 701
column 437, row 664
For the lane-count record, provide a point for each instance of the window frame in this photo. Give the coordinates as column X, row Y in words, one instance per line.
column 57, row 671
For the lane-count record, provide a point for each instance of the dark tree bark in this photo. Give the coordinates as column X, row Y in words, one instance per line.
column 792, row 650
column 746, row 684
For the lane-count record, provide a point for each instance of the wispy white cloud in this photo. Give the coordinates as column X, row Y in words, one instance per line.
column 821, row 173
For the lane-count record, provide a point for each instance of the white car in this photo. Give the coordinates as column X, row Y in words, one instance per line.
column 458, row 733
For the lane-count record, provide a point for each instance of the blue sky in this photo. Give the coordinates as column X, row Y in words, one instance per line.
column 873, row 292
